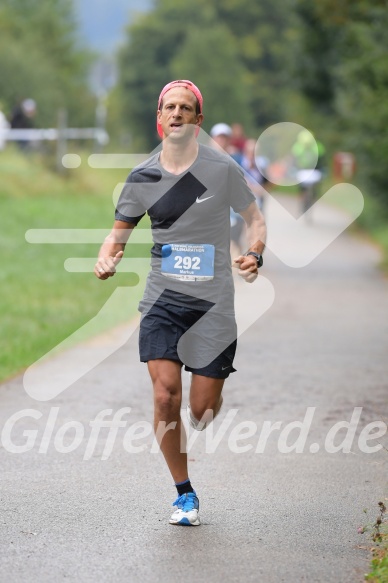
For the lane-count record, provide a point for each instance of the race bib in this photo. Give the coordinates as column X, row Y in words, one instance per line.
column 188, row 262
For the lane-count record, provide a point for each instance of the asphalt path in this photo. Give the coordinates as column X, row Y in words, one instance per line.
column 317, row 356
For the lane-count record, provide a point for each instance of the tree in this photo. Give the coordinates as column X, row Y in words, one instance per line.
column 222, row 79
column 362, row 97
column 40, row 58
column 232, row 49
column 145, row 62
column 342, row 62
column 262, row 33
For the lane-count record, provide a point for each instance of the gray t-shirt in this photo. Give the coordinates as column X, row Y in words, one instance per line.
column 191, row 208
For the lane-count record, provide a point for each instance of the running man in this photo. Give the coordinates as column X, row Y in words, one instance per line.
column 188, row 304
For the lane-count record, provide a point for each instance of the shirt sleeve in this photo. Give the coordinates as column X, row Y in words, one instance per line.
column 129, row 209
column 241, row 195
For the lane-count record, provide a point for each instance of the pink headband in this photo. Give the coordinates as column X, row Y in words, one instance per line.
column 180, row 83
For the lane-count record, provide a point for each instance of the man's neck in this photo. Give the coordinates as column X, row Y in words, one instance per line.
column 177, row 157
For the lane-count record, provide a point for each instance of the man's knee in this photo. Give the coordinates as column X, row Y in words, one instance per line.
column 167, row 396
column 205, row 409
column 205, row 397
column 167, row 384
column 200, row 412
column 167, row 392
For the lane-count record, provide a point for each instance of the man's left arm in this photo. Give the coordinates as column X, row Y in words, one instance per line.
column 256, row 234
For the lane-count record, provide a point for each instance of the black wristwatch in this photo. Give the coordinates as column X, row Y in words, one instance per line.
column 259, row 258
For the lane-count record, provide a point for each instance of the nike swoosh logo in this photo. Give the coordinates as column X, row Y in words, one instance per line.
column 203, row 199
column 225, row 367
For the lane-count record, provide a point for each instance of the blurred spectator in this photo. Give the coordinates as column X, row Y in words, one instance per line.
column 251, row 164
column 4, row 125
column 305, row 152
column 23, row 114
column 22, row 117
column 309, row 161
column 221, row 135
column 238, row 137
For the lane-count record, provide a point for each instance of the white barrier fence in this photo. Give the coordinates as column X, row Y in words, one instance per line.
column 61, row 135
column 52, row 134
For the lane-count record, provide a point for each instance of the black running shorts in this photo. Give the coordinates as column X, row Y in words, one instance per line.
column 203, row 341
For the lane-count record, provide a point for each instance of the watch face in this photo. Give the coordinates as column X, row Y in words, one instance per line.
column 259, row 258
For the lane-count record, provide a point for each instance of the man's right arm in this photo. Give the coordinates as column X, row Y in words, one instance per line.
column 112, row 249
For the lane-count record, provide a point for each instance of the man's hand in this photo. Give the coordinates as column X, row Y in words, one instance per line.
column 106, row 266
column 247, row 266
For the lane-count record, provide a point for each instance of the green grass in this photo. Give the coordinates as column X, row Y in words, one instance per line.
column 374, row 221
column 378, row 534
column 379, row 569
column 41, row 303
column 379, row 564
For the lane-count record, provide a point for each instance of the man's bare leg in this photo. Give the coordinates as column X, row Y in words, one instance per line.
column 205, row 394
column 167, row 383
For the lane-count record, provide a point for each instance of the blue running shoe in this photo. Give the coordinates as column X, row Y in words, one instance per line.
column 186, row 513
